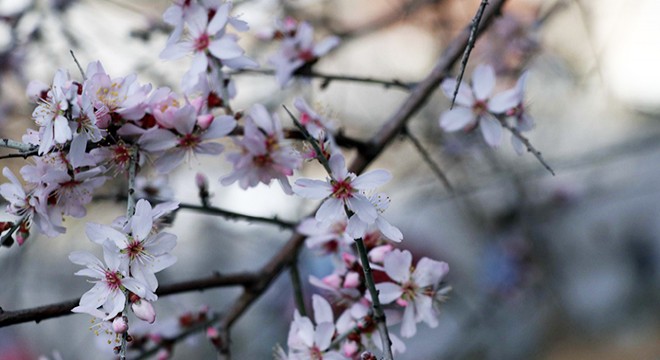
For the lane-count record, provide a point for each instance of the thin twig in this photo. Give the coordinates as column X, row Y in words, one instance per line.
column 211, row 210
column 474, row 28
column 82, row 73
column 428, row 160
column 317, row 148
column 297, row 288
column 50, row 311
column 327, row 78
column 527, row 144
column 379, row 314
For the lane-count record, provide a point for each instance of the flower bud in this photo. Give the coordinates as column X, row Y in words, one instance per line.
column 377, row 254
column 144, row 311
column 120, row 324
column 332, row 280
column 352, row 280
column 204, row 121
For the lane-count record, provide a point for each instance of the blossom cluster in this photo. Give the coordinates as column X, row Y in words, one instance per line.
column 101, row 126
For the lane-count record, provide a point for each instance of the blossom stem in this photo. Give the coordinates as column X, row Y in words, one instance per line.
column 317, row 149
column 379, row 314
column 130, row 210
column 17, row 145
column 297, row 287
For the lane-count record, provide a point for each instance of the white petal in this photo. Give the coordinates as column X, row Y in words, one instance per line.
column 322, row 310
column 225, row 48
column 491, row 129
column 323, row 335
column 331, row 209
column 312, row 189
column 397, row 265
column 483, row 81
column 371, row 179
column 388, row 292
column 388, row 230
column 363, row 208
column 429, row 272
column 456, row 119
column 408, row 326
column 464, row 96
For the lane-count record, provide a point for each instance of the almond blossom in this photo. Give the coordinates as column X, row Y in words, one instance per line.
column 264, row 153
column 343, row 190
column 414, row 288
column 511, row 103
column 190, row 136
column 50, row 114
column 140, row 252
column 109, row 286
column 474, row 106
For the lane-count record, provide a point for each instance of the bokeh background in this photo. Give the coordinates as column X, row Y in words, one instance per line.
column 542, row 266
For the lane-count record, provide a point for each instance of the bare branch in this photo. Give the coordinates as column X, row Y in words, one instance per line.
column 429, row 161
column 527, row 144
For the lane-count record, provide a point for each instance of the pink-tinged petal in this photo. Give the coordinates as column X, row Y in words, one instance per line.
column 338, row 166
column 221, row 126
column 429, row 272
column 323, row 335
column 185, row 119
column 93, row 273
column 241, row 62
column 424, row 309
column 388, row 230
column 261, row 118
column 115, row 304
column 144, row 275
column 483, row 81
column 456, row 119
column 331, row 209
column 162, row 262
column 170, row 160
column 322, row 310
column 154, row 140
column 77, row 150
column 397, row 265
column 518, row 145
column 164, row 208
column 356, row 228
column 408, row 325
column 504, row 101
column 114, row 260
column 388, row 292
column 306, row 331
column 100, row 233
column 363, row 208
column 176, row 51
column 312, row 189
column 464, row 96
column 491, row 129
column 137, row 288
column 219, row 20
column 326, row 45
column 62, row 130
column 225, row 48
column 95, row 297
column 86, row 259
column 161, row 243
column 141, row 221
column 371, row 179
column 209, row 148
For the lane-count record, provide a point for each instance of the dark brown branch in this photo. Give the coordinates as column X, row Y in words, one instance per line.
column 429, row 161
column 40, row 313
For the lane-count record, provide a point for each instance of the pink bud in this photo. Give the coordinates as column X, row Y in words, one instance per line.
column 350, row 348
column 144, row 311
column 332, row 280
column 401, row 302
column 377, row 254
column 119, row 325
column 201, row 180
column 204, row 121
column 349, row 259
column 352, row 280
column 163, row 354
column 212, row 333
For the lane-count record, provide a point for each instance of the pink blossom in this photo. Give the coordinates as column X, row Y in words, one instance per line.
column 144, row 310
column 511, row 103
column 414, row 288
column 50, row 113
column 343, row 189
column 313, row 122
column 474, row 106
column 264, row 153
column 109, row 286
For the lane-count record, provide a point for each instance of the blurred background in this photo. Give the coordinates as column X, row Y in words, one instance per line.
column 542, row 266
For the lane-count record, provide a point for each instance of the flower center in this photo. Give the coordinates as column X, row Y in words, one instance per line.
column 113, row 279
column 479, row 107
column 342, row 189
column 202, row 42
column 134, row 249
column 189, row 141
